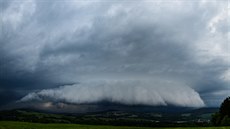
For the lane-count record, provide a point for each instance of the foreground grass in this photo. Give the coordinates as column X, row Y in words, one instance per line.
column 26, row 125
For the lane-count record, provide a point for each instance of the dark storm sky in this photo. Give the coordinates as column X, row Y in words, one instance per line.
column 151, row 52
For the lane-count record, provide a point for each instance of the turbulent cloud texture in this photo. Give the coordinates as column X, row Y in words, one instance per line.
column 48, row 44
column 130, row 92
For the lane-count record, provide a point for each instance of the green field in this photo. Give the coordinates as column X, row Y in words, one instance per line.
column 26, row 125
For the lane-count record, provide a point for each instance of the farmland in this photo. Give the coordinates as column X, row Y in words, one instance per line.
column 27, row 125
column 200, row 117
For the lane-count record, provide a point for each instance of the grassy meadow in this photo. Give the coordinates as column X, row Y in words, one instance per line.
column 26, row 125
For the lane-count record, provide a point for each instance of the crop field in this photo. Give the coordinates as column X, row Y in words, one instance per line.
column 26, row 125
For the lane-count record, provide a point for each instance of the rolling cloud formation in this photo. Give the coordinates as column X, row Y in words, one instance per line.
column 153, row 93
column 121, row 51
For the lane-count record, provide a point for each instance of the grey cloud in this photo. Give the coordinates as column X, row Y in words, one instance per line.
column 144, row 92
column 53, row 43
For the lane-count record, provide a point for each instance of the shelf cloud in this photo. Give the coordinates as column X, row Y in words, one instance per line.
column 120, row 51
column 152, row 93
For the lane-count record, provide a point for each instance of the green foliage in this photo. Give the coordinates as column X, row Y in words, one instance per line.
column 225, row 108
column 216, row 119
column 222, row 118
column 225, row 121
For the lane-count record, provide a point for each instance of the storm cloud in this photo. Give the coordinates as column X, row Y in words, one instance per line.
column 132, row 92
column 56, row 49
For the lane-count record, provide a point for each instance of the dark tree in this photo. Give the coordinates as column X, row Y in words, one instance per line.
column 216, row 119
column 225, row 108
column 223, row 116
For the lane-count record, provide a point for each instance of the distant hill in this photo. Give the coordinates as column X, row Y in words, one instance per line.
column 136, row 116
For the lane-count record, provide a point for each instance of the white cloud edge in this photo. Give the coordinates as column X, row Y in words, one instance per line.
column 153, row 93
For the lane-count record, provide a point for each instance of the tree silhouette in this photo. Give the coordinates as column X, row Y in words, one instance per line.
column 225, row 108
column 223, row 116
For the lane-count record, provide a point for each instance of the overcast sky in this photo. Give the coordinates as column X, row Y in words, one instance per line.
column 151, row 52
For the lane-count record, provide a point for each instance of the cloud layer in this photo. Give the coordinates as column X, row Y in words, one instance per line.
column 46, row 44
column 142, row 92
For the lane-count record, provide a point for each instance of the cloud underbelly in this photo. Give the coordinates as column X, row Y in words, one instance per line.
column 154, row 93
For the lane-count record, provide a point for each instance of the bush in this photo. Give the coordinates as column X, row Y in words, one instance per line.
column 225, row 121
column 216, row 119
